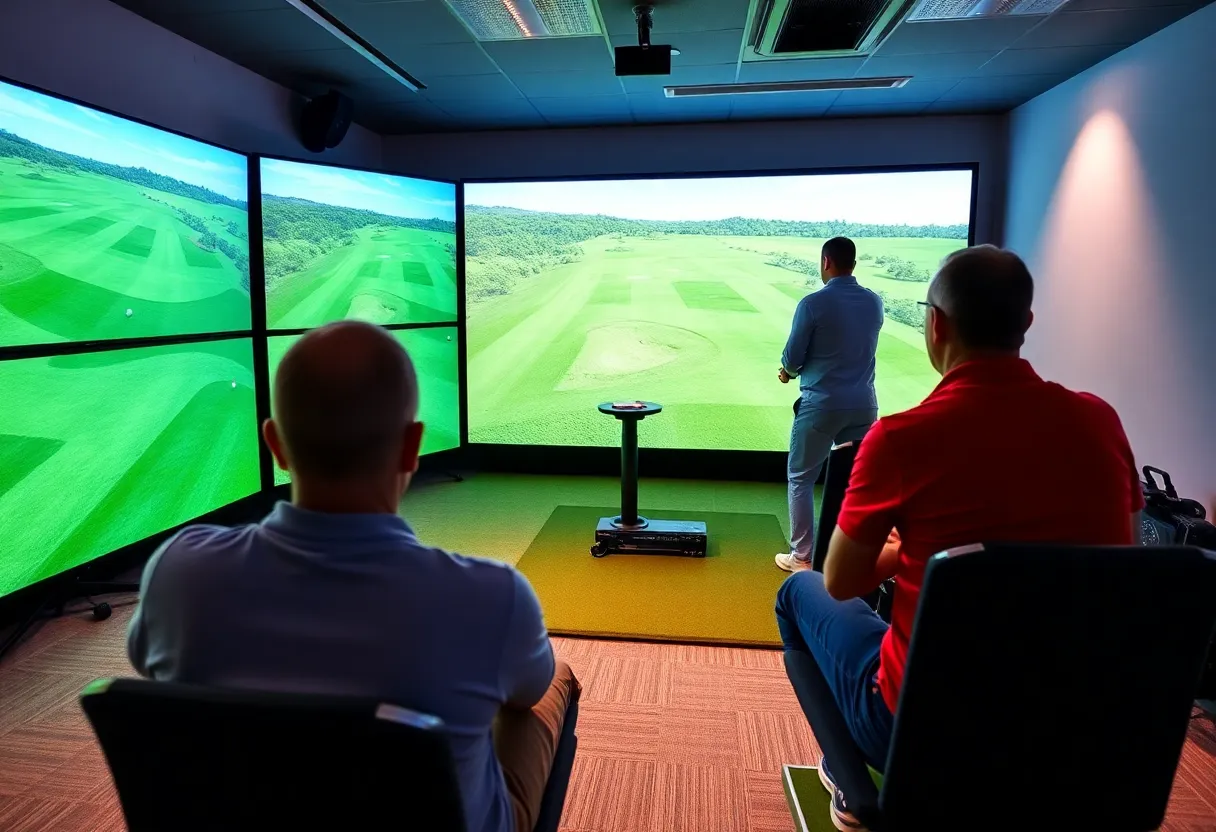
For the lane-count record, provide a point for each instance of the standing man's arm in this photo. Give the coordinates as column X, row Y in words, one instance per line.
column 527, row 661
column 799, row 342
column 855, row 564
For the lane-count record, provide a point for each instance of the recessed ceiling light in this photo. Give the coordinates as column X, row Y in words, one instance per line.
column 927, row 10
column 526, row 19
column 787, row 86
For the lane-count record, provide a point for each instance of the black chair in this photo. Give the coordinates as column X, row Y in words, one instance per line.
column 190, row 759
column 835, row 483
column 1046, row 687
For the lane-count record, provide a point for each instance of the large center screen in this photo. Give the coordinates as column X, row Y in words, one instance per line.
column 682, row 291
column 113, row 229
column 342, row 243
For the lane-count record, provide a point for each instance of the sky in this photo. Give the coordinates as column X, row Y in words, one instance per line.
column 71, row 128
column 397, row 196
column 921, row 198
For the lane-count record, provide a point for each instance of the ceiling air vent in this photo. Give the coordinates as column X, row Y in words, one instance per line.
column 963, row 9
column 822, row 28
column 524, row 19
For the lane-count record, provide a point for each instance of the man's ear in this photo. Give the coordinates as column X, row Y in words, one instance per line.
column 411, row 445
column 1029, row 318
column 270, row 432
column 940, row 325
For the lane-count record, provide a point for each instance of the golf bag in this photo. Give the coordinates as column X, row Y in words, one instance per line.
column 1172, row 520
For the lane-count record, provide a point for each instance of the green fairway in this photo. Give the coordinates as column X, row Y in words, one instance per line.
column 694, row 322
column 327, row 263
column 99, row 450
column 435, row 353
column 79, row 248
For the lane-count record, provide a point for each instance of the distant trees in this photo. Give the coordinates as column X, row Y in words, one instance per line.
column 236, row 231
column 904, row 310
column 15, row 146
column 794, row 264
column 900, row 269
column 211, row 241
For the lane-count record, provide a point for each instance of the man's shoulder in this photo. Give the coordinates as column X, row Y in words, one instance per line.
column 204, row 540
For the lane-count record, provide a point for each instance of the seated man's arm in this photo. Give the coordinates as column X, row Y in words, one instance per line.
column 141, row 641
column 527, row 660
column 799, row 342
column 863, row 551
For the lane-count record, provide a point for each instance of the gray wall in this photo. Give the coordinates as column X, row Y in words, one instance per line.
column 718, row 147
column 1112, row 199
column 102, row 54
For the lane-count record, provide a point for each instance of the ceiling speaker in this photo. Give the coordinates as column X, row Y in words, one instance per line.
column 325, row 120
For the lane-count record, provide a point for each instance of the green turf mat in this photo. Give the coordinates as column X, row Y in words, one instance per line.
column 724, row 598
column 808, row 799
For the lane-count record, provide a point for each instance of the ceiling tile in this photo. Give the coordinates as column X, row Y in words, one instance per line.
column 384, row 88
column 1065, row 60
column 1095, row 5
column 551, row 55
column 243, row 32
column 516, row 110
column 781, row 105
column 925, row 67
column 918, row 92
column 582, row 110
column 676, row 16
column 814, row 69
column 1003, row 87
column 967, row 107
column 910, row 108
column 943, row 36
column 394, row 118
column 389, row 26
column 679, row 77
column 470, row 87
column 448, row 59
column 696, row 48
column 557, row 84
column 1121, row 27
column 652, row 108
column 151, row 7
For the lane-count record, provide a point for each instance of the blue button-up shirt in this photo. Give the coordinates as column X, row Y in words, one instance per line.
column 832, row 344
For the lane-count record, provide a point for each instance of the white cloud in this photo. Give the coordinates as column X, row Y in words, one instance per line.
column 91, row 113
column 391, row 181
column 20, row 109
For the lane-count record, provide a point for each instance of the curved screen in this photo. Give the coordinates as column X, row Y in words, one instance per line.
column 342, row 243
column 113, row 229
column 102, row 449
column 682, row 291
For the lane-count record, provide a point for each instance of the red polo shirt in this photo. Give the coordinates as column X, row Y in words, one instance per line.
column 993, row 454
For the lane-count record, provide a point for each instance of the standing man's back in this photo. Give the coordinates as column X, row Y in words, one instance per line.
column 334, row 593
column 831, row 349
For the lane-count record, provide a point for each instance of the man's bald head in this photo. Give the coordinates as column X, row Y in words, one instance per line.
column 986, row 293
column 343, row 397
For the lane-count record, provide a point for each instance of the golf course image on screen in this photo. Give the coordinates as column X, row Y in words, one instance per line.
column 113, row 229
column 101, row 449
column 342, row 243
column 436, row 356
column 682, row 292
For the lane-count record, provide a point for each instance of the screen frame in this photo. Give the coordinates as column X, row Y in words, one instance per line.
column 262, row 330
column 699, row 463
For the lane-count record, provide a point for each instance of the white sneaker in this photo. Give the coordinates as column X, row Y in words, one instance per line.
column 790, row 563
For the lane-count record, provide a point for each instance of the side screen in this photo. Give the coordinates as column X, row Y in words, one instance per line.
column 113, row 229
column 344, row 243
column 102, row 449
column 682, row 291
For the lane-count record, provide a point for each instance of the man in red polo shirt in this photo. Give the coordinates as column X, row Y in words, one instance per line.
column 965, row 466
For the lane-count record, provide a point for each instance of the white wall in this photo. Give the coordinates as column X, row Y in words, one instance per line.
column 102, row 54
column 682, row 148
column 1112, row 201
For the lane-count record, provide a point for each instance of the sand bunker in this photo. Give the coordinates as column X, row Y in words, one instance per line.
column 616, row 351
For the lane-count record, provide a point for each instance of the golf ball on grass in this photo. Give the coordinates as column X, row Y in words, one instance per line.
column 234, row 385
column 130, row 313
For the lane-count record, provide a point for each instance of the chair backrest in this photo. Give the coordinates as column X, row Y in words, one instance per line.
column 1049, row 679
column 835, row 483
column 189, row 758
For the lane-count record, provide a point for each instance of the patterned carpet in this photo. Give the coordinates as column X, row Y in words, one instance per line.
column 673, row 737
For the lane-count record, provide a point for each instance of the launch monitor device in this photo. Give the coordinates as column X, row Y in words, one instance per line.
column 629, row 533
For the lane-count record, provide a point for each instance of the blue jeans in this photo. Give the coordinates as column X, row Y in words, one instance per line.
column 844, row 638
column 811, row 439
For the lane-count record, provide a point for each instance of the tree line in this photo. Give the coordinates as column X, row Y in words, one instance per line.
column 211, row 241
column 15, row 146
column 904, row 310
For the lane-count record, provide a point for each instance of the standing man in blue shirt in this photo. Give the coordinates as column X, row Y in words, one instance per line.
column 831, row 351
column 333, row 592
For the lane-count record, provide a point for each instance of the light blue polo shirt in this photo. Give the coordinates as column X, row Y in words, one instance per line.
column 350, row 604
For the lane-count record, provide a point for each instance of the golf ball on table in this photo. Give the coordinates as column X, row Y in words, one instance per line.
column 130, row 313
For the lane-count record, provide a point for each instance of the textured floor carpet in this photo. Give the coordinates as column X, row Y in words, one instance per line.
column 724, row 598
